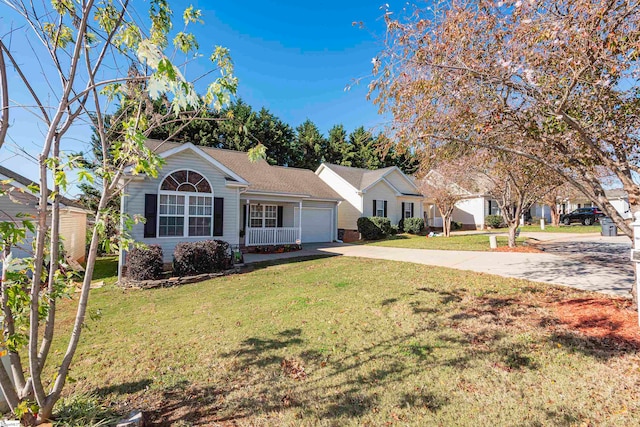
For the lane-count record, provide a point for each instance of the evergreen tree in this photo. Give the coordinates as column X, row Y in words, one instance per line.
column 309, row 146
column 338, row 150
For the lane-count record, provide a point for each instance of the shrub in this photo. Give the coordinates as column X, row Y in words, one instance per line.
column 456, row 225
column 493, row 221
column 413, row 225
column 145, row 263
column 374, row 227
column 208, row 256
column 394, row 230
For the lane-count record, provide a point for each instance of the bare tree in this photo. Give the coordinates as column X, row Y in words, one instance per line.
column 93, row 55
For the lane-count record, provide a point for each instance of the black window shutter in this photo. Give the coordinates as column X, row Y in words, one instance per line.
column 150, row 214
column 280, row 215
column 245, row 208
column 385, row 209
column 218, row 216
column 411, row 209
column 402, row 216
column 375, row 213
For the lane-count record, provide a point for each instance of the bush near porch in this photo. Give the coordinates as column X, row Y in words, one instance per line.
column 345, row 341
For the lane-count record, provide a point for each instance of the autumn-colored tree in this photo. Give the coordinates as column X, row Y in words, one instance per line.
column 516, row 183
column 558, row 75
column 446, row 184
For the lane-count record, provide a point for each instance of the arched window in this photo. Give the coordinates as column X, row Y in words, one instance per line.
column 186, row 205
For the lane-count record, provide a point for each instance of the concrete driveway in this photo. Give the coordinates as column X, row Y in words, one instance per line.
column 563, row 263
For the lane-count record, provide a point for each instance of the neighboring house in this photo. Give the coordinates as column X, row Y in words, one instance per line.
column 208, row 193
column 472, row 208
column 384, row 192
column 617, row 197
column 73, row 218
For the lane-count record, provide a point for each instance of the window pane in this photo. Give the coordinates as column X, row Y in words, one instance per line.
column 185, row 186
column 171, row 226
column 200, row 226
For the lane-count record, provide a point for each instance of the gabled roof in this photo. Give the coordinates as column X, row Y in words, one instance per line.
column 260, row 176
column 26, row 197
column 616, row 193
column 362, row 179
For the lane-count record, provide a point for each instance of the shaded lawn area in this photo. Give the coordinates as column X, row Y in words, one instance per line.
column 460, row 242
column 347, row 341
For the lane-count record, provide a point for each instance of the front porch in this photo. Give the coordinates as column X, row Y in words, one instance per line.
column 277, row 220
column 271, row 222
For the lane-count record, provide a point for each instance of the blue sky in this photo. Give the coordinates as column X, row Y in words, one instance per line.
column 293, row 57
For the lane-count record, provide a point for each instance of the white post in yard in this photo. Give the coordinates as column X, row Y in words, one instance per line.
column 522, row 219
column 635, row 256
column 493, row 241
column 542, row 224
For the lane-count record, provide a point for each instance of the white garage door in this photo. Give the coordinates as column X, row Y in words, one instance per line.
column 316, row 225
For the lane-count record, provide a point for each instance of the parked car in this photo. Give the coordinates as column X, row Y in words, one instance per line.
column 586, row 216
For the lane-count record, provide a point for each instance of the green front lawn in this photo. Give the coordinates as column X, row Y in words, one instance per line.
column 460, row 242
column 346, row 341
column 573, row 228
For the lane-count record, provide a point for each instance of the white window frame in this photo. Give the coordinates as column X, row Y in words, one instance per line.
column 261, row 208
column 379, row 208
column 408, row 207
column 186, row 207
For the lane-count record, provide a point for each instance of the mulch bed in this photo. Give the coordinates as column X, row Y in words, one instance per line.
column 610, row 318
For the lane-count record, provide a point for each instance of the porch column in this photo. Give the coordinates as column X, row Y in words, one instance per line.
column 300, row 221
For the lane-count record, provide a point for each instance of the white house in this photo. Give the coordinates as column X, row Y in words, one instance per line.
column 617, row 197
column 20, row 200
column 384, row 192
column 472, row 208
column 208, row 193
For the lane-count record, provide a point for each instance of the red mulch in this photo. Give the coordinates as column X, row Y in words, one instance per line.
column 523, row 249
column 601, row 318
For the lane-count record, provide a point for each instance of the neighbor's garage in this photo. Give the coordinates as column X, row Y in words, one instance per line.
column 317, row 224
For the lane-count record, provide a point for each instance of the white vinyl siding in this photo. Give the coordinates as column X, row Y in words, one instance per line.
column 73, row 231
column 351, row 208
column 470, row 212
column 382, row 191
column 135, row 198
column 399, row 181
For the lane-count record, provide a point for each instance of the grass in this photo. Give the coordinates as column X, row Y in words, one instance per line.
column 106, row 270
column 573, row 228
column 460, row 242
column 346, row 341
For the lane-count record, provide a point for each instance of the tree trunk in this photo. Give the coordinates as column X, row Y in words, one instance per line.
column 446, row 225
column 513, row 227
column 555, row 215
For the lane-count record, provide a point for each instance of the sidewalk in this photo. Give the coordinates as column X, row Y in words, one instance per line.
column 615, row 279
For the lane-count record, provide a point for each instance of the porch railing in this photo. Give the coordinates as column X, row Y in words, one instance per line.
column 271, row 236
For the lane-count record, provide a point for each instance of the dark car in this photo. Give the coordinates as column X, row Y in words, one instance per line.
column 586, row 216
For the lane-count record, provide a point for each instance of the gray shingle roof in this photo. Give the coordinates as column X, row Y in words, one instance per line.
column 262, row 176
column 359, row 178
column 27, row 182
